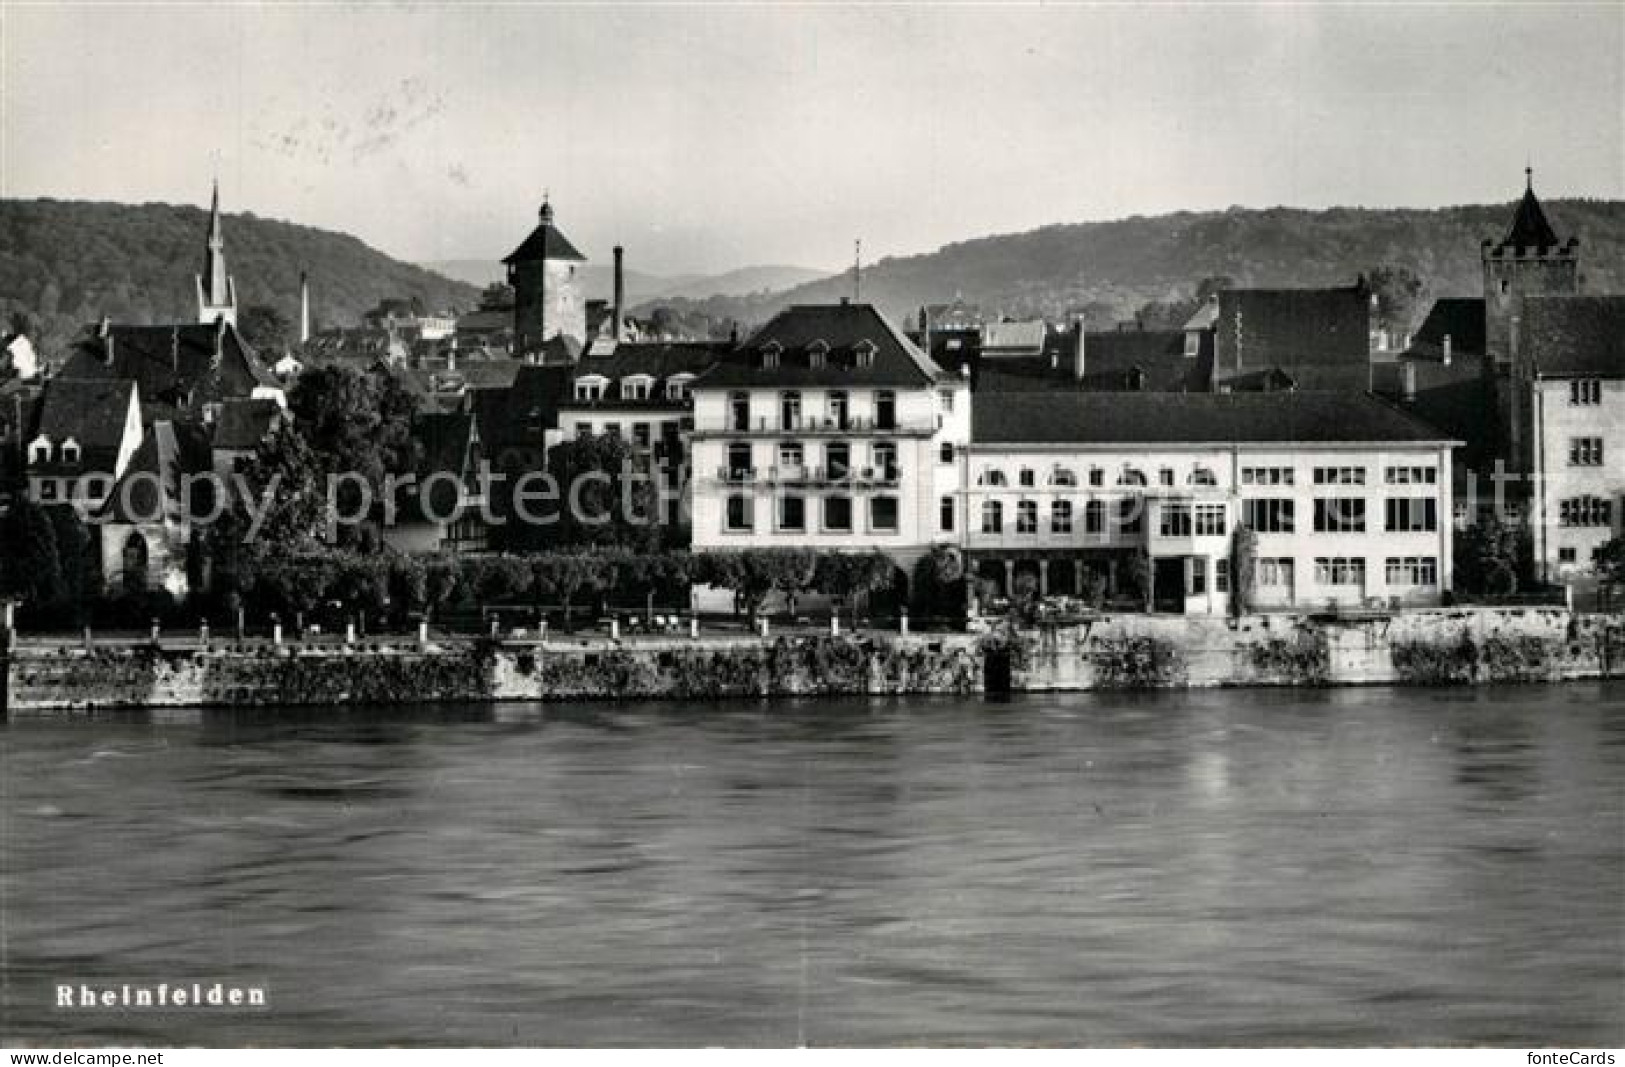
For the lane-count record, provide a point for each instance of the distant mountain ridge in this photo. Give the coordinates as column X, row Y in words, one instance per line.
column 642, row 287
column 1127, row 263
column 68, row 263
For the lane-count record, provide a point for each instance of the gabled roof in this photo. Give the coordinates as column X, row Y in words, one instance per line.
column 1283, row 418
column 93, row 413
column 838, row 330
column 242, row 424
column 171, row 363
column 153, row 486
column 1575, row 336
column 1321, row 338
column 1459, row 318
column 544, row 242
column 1114, row 361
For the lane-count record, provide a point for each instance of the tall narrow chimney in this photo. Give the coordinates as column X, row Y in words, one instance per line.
column 620, row 294
column 1447, row 350
column 1080, row 331
column 304, row 308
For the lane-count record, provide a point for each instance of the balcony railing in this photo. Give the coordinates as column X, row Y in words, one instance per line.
column 812, row 426
column 855, row 477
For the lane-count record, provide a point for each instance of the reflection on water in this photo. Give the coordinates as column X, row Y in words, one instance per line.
column 1340, row 867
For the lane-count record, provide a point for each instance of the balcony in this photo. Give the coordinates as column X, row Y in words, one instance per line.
column 851, row 478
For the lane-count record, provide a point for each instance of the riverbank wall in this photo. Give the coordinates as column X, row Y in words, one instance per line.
column 1441, row 647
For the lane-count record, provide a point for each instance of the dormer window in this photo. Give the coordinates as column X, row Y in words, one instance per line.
column 590, row 389
column 40, row 450
column 770, row 355
column 1193, row 343
column 818, row 354
column 70, row 451
column 865, row 353
column 636, row 387
column 678, row 386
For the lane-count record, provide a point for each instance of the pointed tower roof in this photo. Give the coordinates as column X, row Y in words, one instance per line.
column 1529, row 226
column 544, row 242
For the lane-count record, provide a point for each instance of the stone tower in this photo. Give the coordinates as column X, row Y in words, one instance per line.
column 1531, row 260
column 216, row 292
column 544, row 273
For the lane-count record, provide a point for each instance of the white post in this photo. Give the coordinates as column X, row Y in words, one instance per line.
column 349, row 633
column 614, row 629
column 541, row 630
column 694, row 627
column 902, row 622
column 88, row 641
column 155, row 631
column 276, row 634
column 835, row 626
column 203, row 633
column 423, row 633
column 761, row 625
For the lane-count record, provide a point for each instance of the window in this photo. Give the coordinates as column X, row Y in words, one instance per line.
column 1266, row 476
column 839, row 410
column 678, row 387
column 1340, row 514
column 1198, row 576
column 992, row 517
column 838, row 514
column 883, row 514
column 946, row 398
column 583, row 430
column 1210, row 520
column 1412, row 514
column 792, row 513
column 1176, row 520
column 1270, row 514
column 1097, row 477
column 740, row 516
column 885, row 457
column 946, row 453
column 838, row 460
column 636, row 387
column 47, row 489
column 1410, row 475
column 1585, row 391
column 1585, row 511
column 1130, row 476
column 789, row 410
column 738, row 411
column 590, row 389
column 992, row 477
column 1026, row 516
column 738, row 462
column 1221, row 576
column 791, row 454
column 1566, row 554
column 1165, row 476
column 1412, row 570
column 1060, row 517
column 1585, row 452
column 1130, row 515
column 612, row 430
column 945, row 515
column 640, row 434
column 1202, row 476
column 817, row 354
column 886, row 410
column 70, row 451
column 1275, row 572
column 1340, row 570
column 40, row 451
column 1026, row 478
column 1063, row 477
column 770, row 354
column 1094, row 517
column 864, row 352
column 1339, row 475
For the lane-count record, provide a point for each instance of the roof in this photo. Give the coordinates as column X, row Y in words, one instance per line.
column 1321, row 338
column 444, row 439
column 242, row 424
column 1575, row 336
column 1114, row 361
column 171, row 363
column 1027, row 336
column 93, row 413
column 1459, row 318
column 1285, row 418
column 544, row 242
column 1529, row 227
column 155, row 476
column 523, row 412
column 840, row 329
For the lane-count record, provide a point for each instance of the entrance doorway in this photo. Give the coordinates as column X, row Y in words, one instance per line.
column 1168, row 585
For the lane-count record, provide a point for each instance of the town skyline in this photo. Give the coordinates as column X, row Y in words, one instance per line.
column 687, row 172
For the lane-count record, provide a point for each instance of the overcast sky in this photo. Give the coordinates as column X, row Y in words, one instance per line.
column 705, row 138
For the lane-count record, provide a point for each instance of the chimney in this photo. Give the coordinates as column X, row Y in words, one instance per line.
column 1409, row 375
column 1447, row 350
column 1081, row 332
column 620, row 295
column 304, row 308
column 105, row 332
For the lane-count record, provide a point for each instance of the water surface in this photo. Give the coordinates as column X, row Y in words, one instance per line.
column 1365, row 866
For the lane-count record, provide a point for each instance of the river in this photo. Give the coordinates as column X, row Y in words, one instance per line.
column 1274, row 867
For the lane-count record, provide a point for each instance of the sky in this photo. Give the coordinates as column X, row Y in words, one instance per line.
column 709, row 137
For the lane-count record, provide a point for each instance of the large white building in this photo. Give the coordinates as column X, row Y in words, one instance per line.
column 1348, row 496
column 829, row 428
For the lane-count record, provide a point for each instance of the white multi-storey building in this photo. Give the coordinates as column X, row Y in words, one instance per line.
column 829, row 428
column 1349, row 497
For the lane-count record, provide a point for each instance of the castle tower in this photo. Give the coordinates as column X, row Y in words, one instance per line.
column 546, row 287
column 216, row 292
column 1531, row 260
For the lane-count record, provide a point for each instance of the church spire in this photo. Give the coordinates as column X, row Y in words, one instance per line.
column 1530, row 229
column 216, row 293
